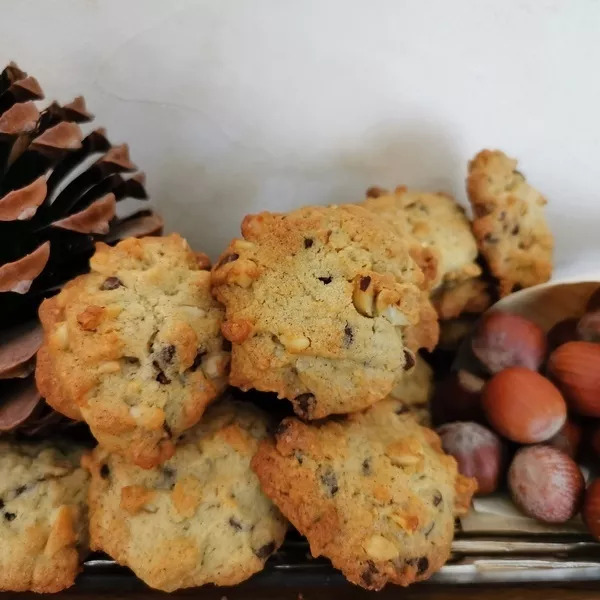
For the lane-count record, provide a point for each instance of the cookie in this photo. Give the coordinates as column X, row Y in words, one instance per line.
column 134, row 347
column 43, row 516
column 510, row 223
column 443, row 245
column 318, row 302
column 373, row 492
column 199, row 518
column 415, row 386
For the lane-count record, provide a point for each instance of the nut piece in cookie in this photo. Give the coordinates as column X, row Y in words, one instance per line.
column 374, row 492
column 510, row 224
column 442, row 244
column 43, row 516
column 199, row 518
column 318, row 304
column 134, row 347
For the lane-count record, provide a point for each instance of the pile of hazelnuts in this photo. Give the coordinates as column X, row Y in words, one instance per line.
column 531, row 414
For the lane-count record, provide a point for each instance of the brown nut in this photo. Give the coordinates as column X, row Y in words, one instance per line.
column 546, row 483
column 504, row 340
column 568, row 438
column 588, row 327
column 523, row 406
column 564, row 331
column 575, row 366
column 591, row 508
column 458, row 398
column 478, row 451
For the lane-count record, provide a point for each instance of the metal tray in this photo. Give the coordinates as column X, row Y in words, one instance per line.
column 474, row 560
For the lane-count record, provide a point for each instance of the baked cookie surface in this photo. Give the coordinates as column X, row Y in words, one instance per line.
column 134, row 347
column 318, row 303
column 373, row 492
column 415, row 386
column 510, row 223
column 447, row 250
column 199, row 518
column 43, row 516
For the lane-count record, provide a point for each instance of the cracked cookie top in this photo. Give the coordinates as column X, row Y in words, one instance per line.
column 199, row 518
column 373, row 492
column 510, row 222
column 134, row 347
column 318, row 304
column 43, row 516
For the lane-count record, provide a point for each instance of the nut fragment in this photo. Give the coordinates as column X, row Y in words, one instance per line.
column 236, row 331
column 380, row 548
column 294, row 343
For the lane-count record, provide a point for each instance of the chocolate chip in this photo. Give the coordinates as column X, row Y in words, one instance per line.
column 367, row 574
column 516, row 230
column 265, row 551
column 365, row 282
column 409, row 360
column 167, row 354
column 1, row 504
column 329, row 480
column 375, row 192
column 422, row 565
column 104, row 471
column 112, row 283
column 226, row 345
column 227, row 259
column 402, row 409
column 20, row 490
column 131, row 360
column 198, row 359
column 348, row 336
column 503, row 215
column 162, row 378
column 305, row 403
column 299, row 456
column 430, row 529
column 437, row 498
column 366, row 466
column 325, row 280
column 169, row 477
column 282, row 428
column 235, row 524
column 488, row 237
column 167, row 429
column 308, row 242
column 10, row 516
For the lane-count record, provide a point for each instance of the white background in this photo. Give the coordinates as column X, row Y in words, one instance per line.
column 233, row 106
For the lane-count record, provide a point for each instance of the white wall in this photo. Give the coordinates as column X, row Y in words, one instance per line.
column 233, row 106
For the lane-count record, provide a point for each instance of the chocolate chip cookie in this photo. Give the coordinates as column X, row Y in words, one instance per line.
column 318, row 303
column 444, row 245
column 43, row 516
column 510, row 223
column 134, row 347
column 199, row 518
column 373, row 492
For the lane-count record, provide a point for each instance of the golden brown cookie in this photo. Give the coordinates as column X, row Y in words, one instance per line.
column 373, row 492
column 134, row 348
column 443, row 245
column 43, row 516
column 199, row 518
column 510, row 223
column 318, row 303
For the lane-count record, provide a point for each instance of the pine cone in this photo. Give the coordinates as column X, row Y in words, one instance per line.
column 54, row 205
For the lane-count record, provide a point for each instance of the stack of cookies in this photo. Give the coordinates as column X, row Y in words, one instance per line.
column 326, row 308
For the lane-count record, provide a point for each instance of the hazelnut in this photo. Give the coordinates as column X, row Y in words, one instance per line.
column 568, row 438
column 478, row 451
column 523, row 405
column 588, row 327
column 504, row 340
column 575, row 366
column 458, row 398
column 591, row 508
column 546, row 483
